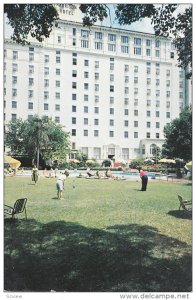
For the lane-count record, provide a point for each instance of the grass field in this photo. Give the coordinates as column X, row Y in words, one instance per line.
column 105, row 236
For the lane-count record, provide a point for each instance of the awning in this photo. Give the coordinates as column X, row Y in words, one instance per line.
column 14, row 163
column 167, row 161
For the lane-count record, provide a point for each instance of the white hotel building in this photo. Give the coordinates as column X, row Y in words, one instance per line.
column 114, row 90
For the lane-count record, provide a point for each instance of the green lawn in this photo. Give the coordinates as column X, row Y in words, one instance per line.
column 106, row 236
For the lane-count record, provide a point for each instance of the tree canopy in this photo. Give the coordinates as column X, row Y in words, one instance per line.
column 178, row 135
column 37, row 134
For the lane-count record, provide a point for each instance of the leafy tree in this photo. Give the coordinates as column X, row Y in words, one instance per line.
column 37, row 136
column 178, row 135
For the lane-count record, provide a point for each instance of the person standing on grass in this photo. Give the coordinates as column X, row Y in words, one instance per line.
column 60, row 185
column 35, row 174
column 144, row 178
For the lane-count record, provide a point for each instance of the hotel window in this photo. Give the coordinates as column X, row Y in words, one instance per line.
column 148, row 43
column 5, row 53
column 31, row 56
column 57, row 119
column 46, row 95
column 86, row 75
column 136, row 102
column 135, row 112
column 126, row 90
column 148, row 135
column 85, row 97
column 14, row 92
column 74, row 54
column 14, row 104
column 111, row 133
column 126, row 134
column 111, row 100
column 57, row 107
column 14, row 79
column 31, row 81
column 96, row 76
column 135, row 135
column 96, row 132
column 85, row 121
column 167, row 114
column 96, row 110
column 157, row 53
column 46, row 106
column 157, row 71
column 84, row 44
column 124, row 39
column 74, row 96
column 137, row 51
column 181, row 95
column 58, row 52
column 157, row 135
column 74, row 85
column 167, row 72
column 148, row 52
column 73, row 132
column 111, row 110
column 84, row 33
column 172, row 55
column 126, row 112
column 96, row 64
column 124, row 49
column 4, row 67
column 168, row 83
column 157, row 82
column 14, row 117
column 74, row 61
column 59, row 39
column 111, row 122
column 86, row 62
column 99, row 35
column 73, row 108
column 126, row 101
column 181, row 84
column 96, row 99
column 148, row 113
column 15, row 55
column 96, row 87
column 96, row 122
column 86, row 109
column 157, row 114
column 111, row 66
column 137, row 41
column 135, row 123
column 157, row 125
column 148, row 70
column 46, row 58
column 111, row 88
column 135, row 91
column 74, row 42
column 30, row 105
column 30, row 93
column 167, row 104
column 111, row 58
column 157, row 43
column 181, row 74
column 157, row 103
column 126, row 68
column 135, row 80
column 74, row 31
column 157, row 93
column 148, row 81
column 85, row 132
column 86, row 86
column 135, row 69
column 111, row 37
column 14, row 68
column 4, row 78
column 111, row 47
column 126, row 79
column 148, row 124
column 58, row 59
column 167, row 94
column 57, row 95
column 46, row 82
column 126, row 123
column 98, row 45
column 74, row 73
column 148, row 103
column 46, row 71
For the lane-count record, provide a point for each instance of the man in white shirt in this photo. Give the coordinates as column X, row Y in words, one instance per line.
column 60, row 185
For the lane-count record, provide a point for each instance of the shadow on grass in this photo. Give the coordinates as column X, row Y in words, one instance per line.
column 180, row 214
column 65, row 256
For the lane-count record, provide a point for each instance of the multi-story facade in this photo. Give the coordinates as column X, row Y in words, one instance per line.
column 114, row 90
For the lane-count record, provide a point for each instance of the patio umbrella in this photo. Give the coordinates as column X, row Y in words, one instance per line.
column 189, row 165
column 14, row 163
column 167, row 161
